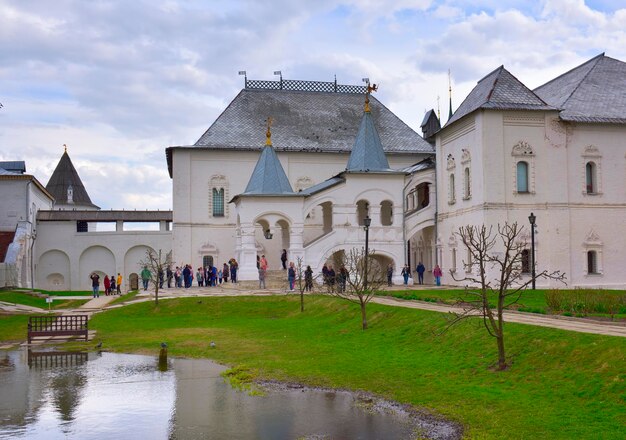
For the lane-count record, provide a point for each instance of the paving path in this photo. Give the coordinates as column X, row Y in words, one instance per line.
column 560, row 322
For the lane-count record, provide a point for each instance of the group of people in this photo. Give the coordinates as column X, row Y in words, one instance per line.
column 183, row 276
column 112, row 285
column 420, row 269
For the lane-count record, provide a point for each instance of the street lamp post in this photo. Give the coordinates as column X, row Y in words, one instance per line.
column 367, row 221
column 532, row 219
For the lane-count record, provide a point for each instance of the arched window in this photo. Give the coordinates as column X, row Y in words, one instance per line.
column 592, row 262
column 590, row 178
column 423, row 195
column 362, row 211
column 218, row 194
column 522, row 177
column 452, row 198
column 525, row 261
column 218, row 202
column 467, row 190
column 386, row 213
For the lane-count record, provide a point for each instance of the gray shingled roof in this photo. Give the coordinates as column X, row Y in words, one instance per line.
column 328, row 183
column 306, row 121
column 63, row 176
column 268, row 177
column 595, row 91
column 367, row 153
column 15, row 166
column 499, row 90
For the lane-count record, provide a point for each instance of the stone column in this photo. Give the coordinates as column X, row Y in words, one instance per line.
column 247, row 255
column 119, row 226
column 296, row 243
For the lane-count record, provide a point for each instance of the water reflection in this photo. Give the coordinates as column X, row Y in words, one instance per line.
column 130, row 396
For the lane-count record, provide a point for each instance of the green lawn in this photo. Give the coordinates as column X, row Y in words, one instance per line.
column 561, row 385
column 533, row 301
column 55, row 292
column 13, row 328
column 36, row 301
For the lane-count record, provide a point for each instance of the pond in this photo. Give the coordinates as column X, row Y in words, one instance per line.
column 116, row 396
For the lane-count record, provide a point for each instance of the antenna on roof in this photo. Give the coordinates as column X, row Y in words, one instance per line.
column 279, row 73
column 438, row 108
column 450, row 90
column 245, row 78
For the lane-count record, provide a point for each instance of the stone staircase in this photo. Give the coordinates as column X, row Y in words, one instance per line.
column 274, row 280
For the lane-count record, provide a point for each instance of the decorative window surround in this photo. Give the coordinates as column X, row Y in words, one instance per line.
column 218, row 182
column 592, row 154
column 523, row 152
column 593, row 243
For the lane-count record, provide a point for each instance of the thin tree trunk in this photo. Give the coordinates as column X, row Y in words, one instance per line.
column 301, row 300
column 363, row 315
column 501, row 354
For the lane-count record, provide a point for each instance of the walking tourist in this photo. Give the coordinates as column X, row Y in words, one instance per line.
column 107, row 285
column 200, row 276
column 261, row 278
column 283, row 258
column 112, row 288
column 95, row 284
column 308, row 279
column 405, row 274
column 119, row 283
column 145, row 277
column 420, row 269
column 437, row 274
column 389, row 274
column 291, row 276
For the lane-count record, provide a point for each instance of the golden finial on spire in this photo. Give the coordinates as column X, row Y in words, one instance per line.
column 370, row 89
column 268, row 134
column 65, row 147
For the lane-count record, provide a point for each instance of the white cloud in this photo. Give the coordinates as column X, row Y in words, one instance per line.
column 120, row 81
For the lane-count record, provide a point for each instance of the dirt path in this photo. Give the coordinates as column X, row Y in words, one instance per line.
column 559, row 322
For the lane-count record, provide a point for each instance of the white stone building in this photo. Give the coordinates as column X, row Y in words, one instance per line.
column 558, row 151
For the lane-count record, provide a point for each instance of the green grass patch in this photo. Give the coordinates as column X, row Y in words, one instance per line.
column 27, row 299
column 13, row 328
column 567, row 302
column 126, row 297
column 561, row 385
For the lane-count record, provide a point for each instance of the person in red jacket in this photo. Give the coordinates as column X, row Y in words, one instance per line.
column 107, row 285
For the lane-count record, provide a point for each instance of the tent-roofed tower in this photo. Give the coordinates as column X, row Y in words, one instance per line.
column 268, row 177
column 367, row 153
column 67, row 187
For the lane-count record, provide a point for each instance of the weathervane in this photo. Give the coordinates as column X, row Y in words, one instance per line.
column 268, row 134
column 369, row 89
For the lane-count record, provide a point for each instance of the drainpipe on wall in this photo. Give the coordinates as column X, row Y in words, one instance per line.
column 436, row 209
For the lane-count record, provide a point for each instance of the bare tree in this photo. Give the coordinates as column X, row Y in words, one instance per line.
column 350, row 282
column 301, row 280
column 157, row 263
column 495, row 268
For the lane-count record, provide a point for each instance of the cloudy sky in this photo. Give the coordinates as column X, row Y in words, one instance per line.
column 119, row 81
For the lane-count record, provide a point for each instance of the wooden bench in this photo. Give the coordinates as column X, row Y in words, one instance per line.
column 66, row 325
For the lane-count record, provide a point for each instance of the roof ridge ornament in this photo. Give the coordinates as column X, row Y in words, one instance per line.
column 65, row 147
column 268, row 133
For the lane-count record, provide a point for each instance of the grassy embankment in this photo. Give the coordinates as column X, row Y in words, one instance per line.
column 572, row 302
column 561, row 385
column 16, row 297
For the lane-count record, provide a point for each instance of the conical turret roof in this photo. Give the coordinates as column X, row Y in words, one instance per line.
column 268, row 177
column 64, row 176
column 367, row 153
